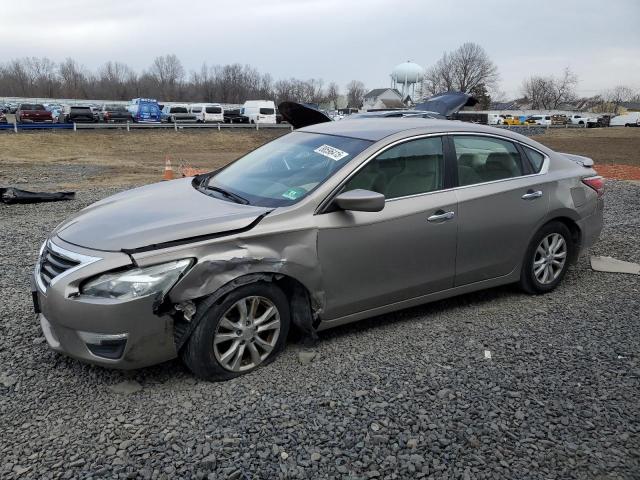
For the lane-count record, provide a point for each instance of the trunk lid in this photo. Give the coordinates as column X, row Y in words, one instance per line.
column 447, row 103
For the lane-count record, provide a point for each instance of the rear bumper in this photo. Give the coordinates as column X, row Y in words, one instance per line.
column 591, row 227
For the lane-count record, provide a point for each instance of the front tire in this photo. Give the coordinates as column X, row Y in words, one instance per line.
column 547, row 259
column 245, row 330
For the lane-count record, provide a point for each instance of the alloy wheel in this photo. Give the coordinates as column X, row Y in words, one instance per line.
column 549, row 258
column 247, row 333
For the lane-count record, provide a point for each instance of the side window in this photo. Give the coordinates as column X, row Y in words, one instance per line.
column 485, row 159
column 410, row 168
column 535, row 158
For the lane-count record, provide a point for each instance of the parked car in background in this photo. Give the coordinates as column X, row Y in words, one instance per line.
column 12, row 107
column 543, row 120
column 233, row 115
column 207, row 112
column 627, row 120
column 112, row 113
column 177, row 114
column 579, row 119
column 494, row 119
column 509, row 119
column 77, row 114
column 334, row 223
column 3, row 117
column 145, row 110
column 559, row 119
column 259, row 111
column 33, row 113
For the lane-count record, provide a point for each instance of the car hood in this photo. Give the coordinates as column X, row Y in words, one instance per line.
column 447, row 103
column 156, row 214
column 299, row 115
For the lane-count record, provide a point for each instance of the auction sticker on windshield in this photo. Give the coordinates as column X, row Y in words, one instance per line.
column 331, row 152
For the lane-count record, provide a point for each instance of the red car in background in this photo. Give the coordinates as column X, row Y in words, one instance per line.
column 33, row 112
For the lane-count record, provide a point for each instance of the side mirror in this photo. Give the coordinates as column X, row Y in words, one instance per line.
column 360, row 201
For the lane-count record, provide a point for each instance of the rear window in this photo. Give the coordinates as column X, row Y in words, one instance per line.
column 178, row 110
column 115, row 108
column 196, row 109
column 81, row 109
column 267, row 111
column 535, row 157
column 214, row 110
column 31, row 106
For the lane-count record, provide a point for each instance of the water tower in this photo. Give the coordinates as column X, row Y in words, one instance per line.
column 405, row 76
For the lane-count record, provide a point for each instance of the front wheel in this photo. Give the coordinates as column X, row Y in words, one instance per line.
column 547, row 258
column 237, row 335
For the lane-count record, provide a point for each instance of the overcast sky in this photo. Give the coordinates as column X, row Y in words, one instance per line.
column 336, row 40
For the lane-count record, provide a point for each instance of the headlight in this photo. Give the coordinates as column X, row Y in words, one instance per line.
column 137, row 282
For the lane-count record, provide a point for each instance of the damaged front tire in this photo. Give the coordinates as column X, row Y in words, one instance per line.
column 248, row 328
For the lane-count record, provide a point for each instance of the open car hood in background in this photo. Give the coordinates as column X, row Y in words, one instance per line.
column 299, row 115
column 447, row 103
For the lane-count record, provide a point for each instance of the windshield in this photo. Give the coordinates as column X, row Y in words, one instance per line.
column 285, row 170
column 214, row 110
column 267, row 111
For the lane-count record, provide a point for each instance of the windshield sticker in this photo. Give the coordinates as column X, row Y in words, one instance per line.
column 293, row 193
column 331, row 152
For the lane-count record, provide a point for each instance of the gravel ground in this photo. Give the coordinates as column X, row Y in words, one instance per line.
column 406, row 395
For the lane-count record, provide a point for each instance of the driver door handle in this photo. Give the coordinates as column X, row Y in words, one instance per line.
column 441, row 216
column 531, row 195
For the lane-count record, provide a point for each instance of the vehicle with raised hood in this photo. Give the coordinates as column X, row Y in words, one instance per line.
column 326, row 225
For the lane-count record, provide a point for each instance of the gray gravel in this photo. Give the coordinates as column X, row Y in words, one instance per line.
column 406, row 395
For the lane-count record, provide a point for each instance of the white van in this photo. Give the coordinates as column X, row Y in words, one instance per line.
column 208, row 112
column 627, row 120
column 541, row 119
column 494, row 119
column 259, row 111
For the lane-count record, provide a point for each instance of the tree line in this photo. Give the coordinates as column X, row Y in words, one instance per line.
column 468, row 68
column 165, row 79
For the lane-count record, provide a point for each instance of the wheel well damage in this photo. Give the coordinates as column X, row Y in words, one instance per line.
column 304, row 309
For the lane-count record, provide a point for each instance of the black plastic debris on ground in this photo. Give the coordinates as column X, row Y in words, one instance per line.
column 15, row 195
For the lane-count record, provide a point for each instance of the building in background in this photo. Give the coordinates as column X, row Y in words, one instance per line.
column 383, row 99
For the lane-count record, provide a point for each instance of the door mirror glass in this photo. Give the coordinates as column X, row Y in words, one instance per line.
column 360, row 201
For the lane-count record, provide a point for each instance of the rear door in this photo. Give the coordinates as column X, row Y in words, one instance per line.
column 371, row 259
column 501, row 199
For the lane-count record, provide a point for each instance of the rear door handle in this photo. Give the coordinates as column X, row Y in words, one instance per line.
column 531, row 195
column 441, row 216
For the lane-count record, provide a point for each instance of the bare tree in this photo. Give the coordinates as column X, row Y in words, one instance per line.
column 333, row 94
column 550, row 92
column 355, row 94
column 464, row 69
column 168, row 73
column 611, row 100
column 73, row 79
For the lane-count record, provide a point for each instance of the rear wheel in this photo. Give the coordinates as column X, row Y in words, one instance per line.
column 246, row 330
column 547, row 258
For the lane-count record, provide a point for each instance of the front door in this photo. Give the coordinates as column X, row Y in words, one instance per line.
column 371, row 259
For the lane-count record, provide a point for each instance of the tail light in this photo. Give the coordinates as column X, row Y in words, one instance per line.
column 597, row 183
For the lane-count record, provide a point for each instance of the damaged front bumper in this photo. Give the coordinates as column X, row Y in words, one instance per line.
column 123, row 334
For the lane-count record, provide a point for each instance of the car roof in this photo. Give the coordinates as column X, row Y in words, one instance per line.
column 375, row 129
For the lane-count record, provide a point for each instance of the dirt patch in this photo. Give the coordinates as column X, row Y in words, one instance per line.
column 79, row 160
column 606, row 146
column 84, row 159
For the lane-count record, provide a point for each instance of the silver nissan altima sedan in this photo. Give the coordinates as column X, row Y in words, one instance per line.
column 326, row 225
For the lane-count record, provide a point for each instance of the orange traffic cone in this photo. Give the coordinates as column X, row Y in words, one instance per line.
column 168, row 170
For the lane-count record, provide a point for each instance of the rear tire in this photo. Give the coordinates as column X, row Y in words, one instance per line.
column 547, row 258
column 204, row 353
